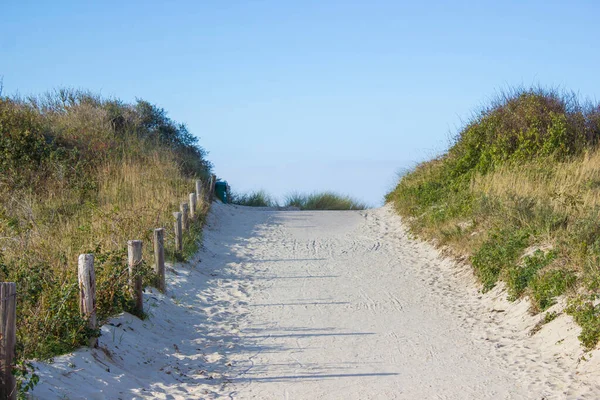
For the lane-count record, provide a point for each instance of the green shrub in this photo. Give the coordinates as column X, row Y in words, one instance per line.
column 519, row 277
column 498, row 253
column 587, row 316
column 521, row 126
column 549, row 284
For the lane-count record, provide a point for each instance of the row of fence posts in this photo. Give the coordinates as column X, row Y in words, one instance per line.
column 87, row 285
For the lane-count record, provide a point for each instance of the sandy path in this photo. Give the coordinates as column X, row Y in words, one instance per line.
column 323, row 305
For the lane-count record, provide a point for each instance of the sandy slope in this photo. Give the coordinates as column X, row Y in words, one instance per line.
column 324, row 305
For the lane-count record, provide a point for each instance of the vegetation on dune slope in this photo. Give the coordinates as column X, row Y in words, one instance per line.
column 524, row 174
column 80, row 174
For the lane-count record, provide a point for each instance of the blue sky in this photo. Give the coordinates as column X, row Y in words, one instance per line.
column 305, row 95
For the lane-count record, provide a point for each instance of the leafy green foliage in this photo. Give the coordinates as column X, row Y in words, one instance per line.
column 498, row 253
column 519, row 277
column 525, row 124
column 156, row 125
column 549, row 284
column 24, row 373
column 587, row 316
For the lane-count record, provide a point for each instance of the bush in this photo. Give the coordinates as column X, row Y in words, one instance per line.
column 522, row 125
column 587, row 316
column 519, row 277
column 547, row 285
column 498, row 253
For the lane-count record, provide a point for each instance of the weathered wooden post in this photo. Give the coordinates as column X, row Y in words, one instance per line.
column 199, row 191
column 8, row 330
column 159, row 257
column 178, row 232
column 192, row 205
column 213, row 181
column 134, row 258
column 87, row 291
column 184, row 216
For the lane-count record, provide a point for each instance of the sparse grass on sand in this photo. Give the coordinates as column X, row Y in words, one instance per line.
column 522, row 175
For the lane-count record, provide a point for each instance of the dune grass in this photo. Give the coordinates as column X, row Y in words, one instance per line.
column 522, row 175
column 323, row 201
column 81, row 174
column 313, row 201
column 259, row 198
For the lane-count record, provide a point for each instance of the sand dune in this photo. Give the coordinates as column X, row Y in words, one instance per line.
column 324, row 305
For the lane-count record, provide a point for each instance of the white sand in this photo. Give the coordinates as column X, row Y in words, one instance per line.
column 324, row 305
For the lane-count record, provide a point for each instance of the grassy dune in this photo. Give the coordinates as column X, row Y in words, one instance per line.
column 518, row 195
column 80, row 174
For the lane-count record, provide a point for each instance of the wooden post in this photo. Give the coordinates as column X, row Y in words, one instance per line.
column 8, row 329
column 134, row 258
column 199, row 191
column 213, row 181
column 159, row 257
column 192, row 205
column 178, row 232
column 87, row 292
column 184, row 216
